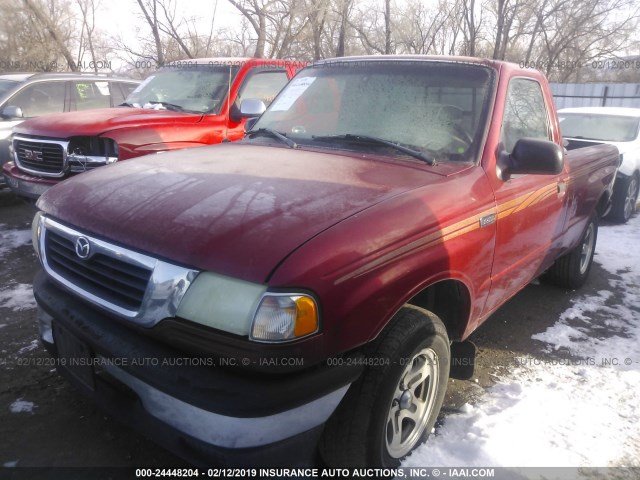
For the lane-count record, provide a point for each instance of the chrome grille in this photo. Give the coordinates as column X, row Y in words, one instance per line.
column 40, row 157
column 114, row 280
column 134, row 286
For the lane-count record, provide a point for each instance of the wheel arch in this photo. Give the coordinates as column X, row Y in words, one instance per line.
column 450, row 300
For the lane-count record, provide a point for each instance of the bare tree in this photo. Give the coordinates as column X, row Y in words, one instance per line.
column 423, row 30
column 44, row 19
column 471, row 24
column 255, row 11
column 150, row 12
column 317, row 12
column 88, row 10
column 597, row 29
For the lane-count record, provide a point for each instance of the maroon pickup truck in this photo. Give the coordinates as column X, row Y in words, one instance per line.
column 186, row 103
column 306, row 289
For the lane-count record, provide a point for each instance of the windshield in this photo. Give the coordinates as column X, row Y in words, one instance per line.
column 6, row 85
column 436, row 108
column 606, row 128
column 193, row 88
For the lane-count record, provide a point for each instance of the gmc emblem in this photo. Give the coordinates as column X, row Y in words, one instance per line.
column 32, row 155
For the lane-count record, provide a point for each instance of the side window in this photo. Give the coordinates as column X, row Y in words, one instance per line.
column 40, row 99
column 263, row 85
column 89, row 94
column 525, row 113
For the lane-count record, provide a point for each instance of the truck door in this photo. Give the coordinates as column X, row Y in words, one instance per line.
column 530, row 208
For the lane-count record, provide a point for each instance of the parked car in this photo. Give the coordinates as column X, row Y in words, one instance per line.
column 249, row 302
column 184, row 104
column 29, row 95
column 618, row 126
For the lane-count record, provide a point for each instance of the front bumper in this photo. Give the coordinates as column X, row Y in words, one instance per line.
column 206, row 414
column 25, row 185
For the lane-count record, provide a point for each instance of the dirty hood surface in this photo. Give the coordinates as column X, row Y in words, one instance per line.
column 235, row 209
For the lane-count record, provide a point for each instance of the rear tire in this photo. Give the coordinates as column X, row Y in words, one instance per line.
column 571, row 270
column 393, row 406
column 624, row 199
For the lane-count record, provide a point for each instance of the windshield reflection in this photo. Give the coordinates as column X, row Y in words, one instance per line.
column 196, row 88
column 437, row 108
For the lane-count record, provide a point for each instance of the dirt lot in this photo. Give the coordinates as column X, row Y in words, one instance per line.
column 61, row 428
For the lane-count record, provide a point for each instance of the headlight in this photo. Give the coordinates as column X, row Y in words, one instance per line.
column 221, row 302
column 35, row 232
column 247, row 309
column 284, row 317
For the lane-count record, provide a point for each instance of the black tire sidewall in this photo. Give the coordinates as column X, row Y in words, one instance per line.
column 620, row 191
column 424, row 338
column 580, row 278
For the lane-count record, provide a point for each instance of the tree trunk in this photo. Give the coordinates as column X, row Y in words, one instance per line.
column 44, row 21
column 387, row 27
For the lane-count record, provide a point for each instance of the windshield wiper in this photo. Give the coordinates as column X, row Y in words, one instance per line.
column 169, row 106
column 351, row 137
column 274, row 134
column 125, row 104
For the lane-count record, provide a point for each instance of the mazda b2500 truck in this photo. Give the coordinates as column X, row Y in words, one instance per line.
column 305, row 289
column 184, row 104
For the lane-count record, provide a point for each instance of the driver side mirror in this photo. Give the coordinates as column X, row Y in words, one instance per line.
column 534, row 156
column 11, row 111
column 251, row 108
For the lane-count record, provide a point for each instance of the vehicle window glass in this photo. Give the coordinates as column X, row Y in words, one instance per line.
column 437, row 108
column 263, row 86
column 192, row 88
column 525, row 113
column 607, row 128
column 124, row 91
column 40, row 98
column 90, row 95
column 6, row 85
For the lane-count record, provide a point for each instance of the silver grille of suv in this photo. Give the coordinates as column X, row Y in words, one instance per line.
column 130, row 284
column 45, row 158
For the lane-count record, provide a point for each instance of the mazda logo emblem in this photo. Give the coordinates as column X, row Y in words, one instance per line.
column 83, row 247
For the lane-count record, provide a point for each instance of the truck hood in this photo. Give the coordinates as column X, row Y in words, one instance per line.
column 95, row 122
column 234, row 209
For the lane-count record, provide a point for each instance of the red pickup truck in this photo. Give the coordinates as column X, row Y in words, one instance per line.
column 186, row 103
column 307, row 287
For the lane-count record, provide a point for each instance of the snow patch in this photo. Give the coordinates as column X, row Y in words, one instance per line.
column 21, row 406
column 12, row 239
column 32, row 346
column 582, row 413
column 18, row 297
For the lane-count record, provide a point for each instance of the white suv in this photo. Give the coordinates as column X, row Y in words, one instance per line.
column 618, row 126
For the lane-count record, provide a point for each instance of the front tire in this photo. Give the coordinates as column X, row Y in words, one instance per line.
column 624, row 199
column 571, row 270
column 394, row 405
